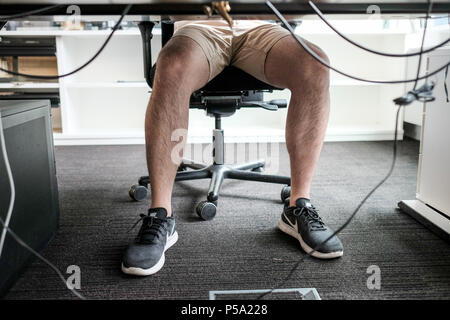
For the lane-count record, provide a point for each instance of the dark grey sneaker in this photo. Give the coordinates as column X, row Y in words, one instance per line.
column 157, row 234
column 303, row 223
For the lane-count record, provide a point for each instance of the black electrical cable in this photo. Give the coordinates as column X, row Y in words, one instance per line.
column 430, row 6
column 391, row 169
column 30, row 13
column 322, row 62
column 116, row 26
column 395, row 55
column 445, row 84
column 283, row 20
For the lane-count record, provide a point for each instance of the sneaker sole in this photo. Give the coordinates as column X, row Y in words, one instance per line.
column 146, row 272
column 316, row 254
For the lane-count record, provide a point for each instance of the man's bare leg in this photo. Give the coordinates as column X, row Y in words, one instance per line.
column 182, row 68
column 289, row 66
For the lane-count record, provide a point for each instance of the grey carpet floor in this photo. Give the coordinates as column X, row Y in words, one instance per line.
column 242, row 248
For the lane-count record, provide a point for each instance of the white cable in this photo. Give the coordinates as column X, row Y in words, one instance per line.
column 13, row 189
column 5, row 223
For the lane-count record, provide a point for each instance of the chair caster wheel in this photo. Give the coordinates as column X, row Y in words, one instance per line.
column 144, row 182
column 138, row 192
column 206, row 210
column 285, row 193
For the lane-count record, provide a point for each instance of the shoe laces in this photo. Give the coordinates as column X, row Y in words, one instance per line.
column 150, row 229
column 311, row 215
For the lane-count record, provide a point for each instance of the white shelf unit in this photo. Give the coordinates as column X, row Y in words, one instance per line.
column 29, row 85
column 106, row 102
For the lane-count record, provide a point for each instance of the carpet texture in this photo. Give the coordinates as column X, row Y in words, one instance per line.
column 241, row 248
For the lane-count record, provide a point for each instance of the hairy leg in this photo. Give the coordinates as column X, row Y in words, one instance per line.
column 289, row 66
column 182, row 68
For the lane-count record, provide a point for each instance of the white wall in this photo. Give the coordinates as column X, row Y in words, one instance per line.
column 106, row 102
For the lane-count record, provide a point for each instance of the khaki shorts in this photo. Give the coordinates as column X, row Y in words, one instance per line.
column 245, row 46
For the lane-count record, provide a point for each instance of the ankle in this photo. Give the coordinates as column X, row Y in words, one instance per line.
column 168, row 208
column 294, row 198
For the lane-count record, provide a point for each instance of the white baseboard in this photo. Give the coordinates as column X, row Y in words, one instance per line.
column 61, row 139
column 250, row 136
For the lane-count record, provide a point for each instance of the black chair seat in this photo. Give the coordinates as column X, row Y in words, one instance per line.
column 234, row 79
column 231, row 79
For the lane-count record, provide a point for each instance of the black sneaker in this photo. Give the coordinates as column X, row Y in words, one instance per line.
column 157, row 234
column 303, row 223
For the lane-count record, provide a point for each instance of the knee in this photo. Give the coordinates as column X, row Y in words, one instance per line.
column 171, row 63
column 319, row 74
column 182, row 64
column 311, row 73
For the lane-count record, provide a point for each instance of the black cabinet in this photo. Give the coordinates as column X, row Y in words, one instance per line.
column 29, row 143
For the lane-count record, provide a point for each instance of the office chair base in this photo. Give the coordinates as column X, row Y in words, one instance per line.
column 217, row 173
